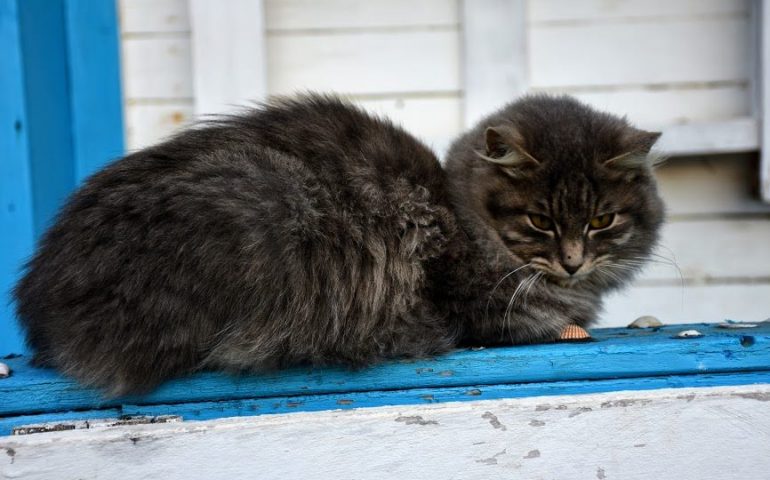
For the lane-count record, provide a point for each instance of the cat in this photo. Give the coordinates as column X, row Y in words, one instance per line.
column 308, row 232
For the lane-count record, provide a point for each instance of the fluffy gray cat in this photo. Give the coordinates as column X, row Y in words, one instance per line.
column 308, row 232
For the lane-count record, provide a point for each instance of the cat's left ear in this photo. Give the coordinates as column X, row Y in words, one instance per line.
column 636, row 145
column 504, row 146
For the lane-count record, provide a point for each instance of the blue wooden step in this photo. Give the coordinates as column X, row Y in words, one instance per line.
column 616, row 359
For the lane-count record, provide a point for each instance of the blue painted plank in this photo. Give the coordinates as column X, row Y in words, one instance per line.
column 95, row 91
column 343, row 401
column 614, row 353
column 16, row 206
column 46, row 85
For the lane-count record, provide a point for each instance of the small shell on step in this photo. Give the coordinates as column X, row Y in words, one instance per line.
column 5, row 371
column 647, row 321
column 689, row 334
column 574, row 332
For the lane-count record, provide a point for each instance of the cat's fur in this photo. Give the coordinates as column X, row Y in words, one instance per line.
column 309, row 232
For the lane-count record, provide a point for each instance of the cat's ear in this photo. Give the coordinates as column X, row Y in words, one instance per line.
column 504, row 146
column 636, row 145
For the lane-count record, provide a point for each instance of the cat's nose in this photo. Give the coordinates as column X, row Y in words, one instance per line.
column 572, row 267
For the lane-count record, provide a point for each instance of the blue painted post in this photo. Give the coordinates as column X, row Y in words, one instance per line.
column 60, row 119
column 16, row 210
column 95, row 93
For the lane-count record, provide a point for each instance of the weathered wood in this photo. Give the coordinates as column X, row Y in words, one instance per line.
column 228, row 50
column 614, row 353
column 696, row 50
column 365, row 63
column 764, row 84
column 736, row 135
column 690, row 303
column 158, row 68
column 684, row 434
column 154, row 16
column 631, row 10
column 288, row 15
column 495, row 55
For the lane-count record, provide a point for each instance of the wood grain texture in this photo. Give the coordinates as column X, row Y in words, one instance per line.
column 684, row 434
column 365, row 63
column 154, row 16
column 728, row 136
column 495, row 55
column 653, row 108
column 17, row 219
column 629, row 10
column 228, row 54
column 700, row 50
column 157, row 68
column 286, row 15
column 614, row 353
column 676, row 303
column 147, row 124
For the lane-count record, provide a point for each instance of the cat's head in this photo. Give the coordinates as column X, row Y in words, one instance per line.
column 562, row 187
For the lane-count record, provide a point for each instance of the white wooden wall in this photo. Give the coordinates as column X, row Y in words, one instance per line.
column 683, row 66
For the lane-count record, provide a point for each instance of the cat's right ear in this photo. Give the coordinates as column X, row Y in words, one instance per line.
column 505, row 147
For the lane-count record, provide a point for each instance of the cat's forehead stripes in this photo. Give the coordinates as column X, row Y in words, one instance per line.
column 573, row 198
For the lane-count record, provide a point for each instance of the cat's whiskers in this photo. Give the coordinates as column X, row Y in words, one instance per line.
column 489, row 299
column 512, row 301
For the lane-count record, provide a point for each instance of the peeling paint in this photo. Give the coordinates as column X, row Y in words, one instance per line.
column 542, row 408
column 640, row 445
column 624, row 403
column 493, row 420
column 689, row 397
column 446, row 373
column 579, row 411
column 491, row 460
column 344, row 401
column 760, row 396
column 415, row 420
column 473, row 392
column 600, row 473
column 533, row 454
column 537, row 423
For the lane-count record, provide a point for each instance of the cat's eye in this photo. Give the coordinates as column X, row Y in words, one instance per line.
column 541, row 222
column 602, row 221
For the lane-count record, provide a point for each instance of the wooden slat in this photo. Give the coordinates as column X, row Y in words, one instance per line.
column 361, row 63
column 713, row 249
column 434, row 120
column 710, row 186
column 154, row 16
column 700, row 50
column 157, row 68
column 619, row 10
column 16, row 208
column 728, row 136
column 612, row 354
column 658, row 108
column 148, row 124
column 228, row 54
column 674, row 304
column 764, row 83
column 282, row 15
column 684, row 434
column 495, row 56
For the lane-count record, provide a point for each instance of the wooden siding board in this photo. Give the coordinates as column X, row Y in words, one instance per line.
column 228, row 54
column 364, row 63
column 287, row 15
column 626, row 10
column 200, row 411
column 157, row 68
column 696, row 50
column 154, row 16
column 614, row 353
